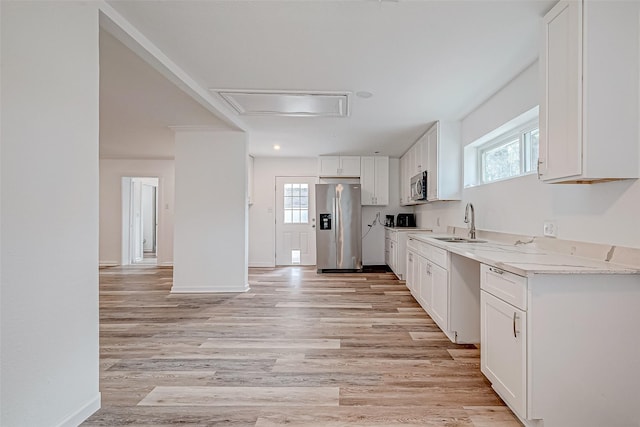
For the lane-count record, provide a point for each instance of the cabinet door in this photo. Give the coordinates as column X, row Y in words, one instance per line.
column 368, row 180
column 410, row 279
column 405, row 180
column 328, row 165
column 382, row 180
column 393, row 254
column 560, row 152
column 417, row 152
column 432, row 163
column 350, row 166
column 412, row 162
column 423, row 272
column 440, row 296
column 387, row 249
column 503, row 350
column 423, row 156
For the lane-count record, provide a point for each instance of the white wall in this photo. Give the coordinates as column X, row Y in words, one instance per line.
column 262, row 219
column 599, row 213
column 49, row 313
column 111, row 173
column 262, row 211
column 210, row 250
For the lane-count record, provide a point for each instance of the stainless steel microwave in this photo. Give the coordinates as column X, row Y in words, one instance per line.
column 419, row 187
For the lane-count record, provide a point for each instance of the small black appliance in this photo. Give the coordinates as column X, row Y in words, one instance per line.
column 389, row 221
column 406, row 220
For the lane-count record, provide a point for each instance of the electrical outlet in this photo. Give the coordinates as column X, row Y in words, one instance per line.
column 550, row 229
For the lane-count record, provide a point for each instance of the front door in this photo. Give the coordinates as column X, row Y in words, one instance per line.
column 295, row 220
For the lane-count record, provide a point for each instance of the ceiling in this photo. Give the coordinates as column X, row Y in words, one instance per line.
column 422, row 61
column 138, row 104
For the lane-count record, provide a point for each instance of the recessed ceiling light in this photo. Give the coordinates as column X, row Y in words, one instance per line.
column 276, row 147
column 364, row 94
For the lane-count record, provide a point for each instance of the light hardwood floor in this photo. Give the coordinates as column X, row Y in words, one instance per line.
column 299, row 349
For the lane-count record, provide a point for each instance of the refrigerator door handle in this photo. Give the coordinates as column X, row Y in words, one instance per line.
column 336, row 229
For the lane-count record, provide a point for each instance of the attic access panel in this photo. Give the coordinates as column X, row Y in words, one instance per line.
column 287, row 103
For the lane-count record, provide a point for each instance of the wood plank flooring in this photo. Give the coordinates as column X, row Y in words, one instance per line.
column 299, row 349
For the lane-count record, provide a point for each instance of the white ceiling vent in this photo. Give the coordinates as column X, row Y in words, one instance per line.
column 287, row 103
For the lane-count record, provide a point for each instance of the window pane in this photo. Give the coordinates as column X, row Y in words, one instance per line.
column 502, row 161
column 288, row 203
column 304, row 216
column 287, row 216
column 296, row 202
column 304, row 202
column 296, row 190
column 287, row 190
column 296, row 216
column 532, row 149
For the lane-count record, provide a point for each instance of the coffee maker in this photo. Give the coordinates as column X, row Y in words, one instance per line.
column 389, row 221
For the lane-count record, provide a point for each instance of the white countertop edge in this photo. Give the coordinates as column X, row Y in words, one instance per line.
column 524, row 261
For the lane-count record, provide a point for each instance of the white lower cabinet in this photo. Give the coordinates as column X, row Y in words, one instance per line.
column 560, row 348
column 504, row 350
column 396, row 251
column 423, row 280
column 447, row 288
column 439, row 295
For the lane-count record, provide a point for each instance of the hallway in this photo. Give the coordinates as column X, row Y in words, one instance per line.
column 298, row 349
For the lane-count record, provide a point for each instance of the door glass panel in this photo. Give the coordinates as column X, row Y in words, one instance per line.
column 296, row 203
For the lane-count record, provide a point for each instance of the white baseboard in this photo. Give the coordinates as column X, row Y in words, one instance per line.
column 82, row 413
column 165, row 264
column 108, row 263
column 262, row 264
column 208, row 289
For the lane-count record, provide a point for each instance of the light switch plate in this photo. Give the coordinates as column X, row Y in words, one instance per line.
column 550, row 229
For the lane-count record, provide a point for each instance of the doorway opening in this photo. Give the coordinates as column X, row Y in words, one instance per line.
column 140, row 220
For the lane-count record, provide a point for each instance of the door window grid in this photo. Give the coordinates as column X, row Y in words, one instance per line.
column 296, row 203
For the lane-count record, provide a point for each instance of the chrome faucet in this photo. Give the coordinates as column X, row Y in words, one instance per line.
column 472, row 229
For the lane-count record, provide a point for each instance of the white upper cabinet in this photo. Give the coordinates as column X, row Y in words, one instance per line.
column 439, row 153
column 405, row 194
column 345, row 166
column 444, row 161
column 375, row 180
column 589, row 108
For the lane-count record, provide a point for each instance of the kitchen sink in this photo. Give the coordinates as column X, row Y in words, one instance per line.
column 459, row 240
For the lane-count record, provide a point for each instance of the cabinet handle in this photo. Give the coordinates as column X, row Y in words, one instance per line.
column 539, row 163
column 515, row 333
column 496, row 270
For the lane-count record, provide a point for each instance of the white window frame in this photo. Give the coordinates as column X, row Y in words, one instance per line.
column 519, row 133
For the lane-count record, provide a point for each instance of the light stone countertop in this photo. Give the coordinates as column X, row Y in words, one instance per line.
column 525, row 260
column 412, row 229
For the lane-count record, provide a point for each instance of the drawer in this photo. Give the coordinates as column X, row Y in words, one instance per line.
column 387, row 233
column 509, row 287
column 414, row 245
column 440, row 257
column 391, row 234
column 424, row 250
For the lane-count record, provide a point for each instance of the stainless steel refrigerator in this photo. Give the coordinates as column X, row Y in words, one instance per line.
column 339, row 227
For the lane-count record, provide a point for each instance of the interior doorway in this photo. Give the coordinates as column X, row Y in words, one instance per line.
column 140, row 220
